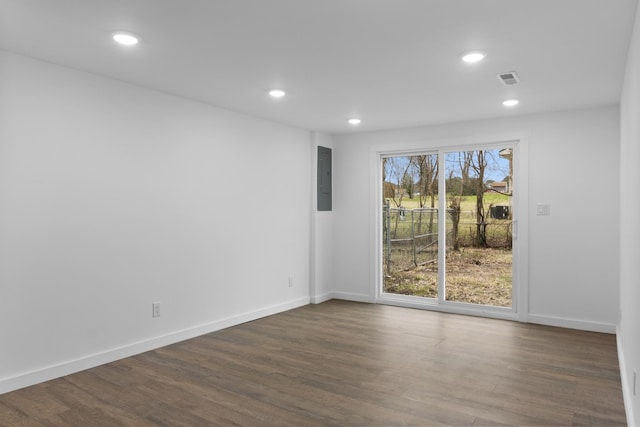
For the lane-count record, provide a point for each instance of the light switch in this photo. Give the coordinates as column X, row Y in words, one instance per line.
column 543, row 209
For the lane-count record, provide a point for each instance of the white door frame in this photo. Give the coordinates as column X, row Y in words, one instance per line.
column 520, row 309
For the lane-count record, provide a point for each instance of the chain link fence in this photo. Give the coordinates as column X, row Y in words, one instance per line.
column 410, row 236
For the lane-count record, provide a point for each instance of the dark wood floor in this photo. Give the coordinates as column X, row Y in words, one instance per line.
column 342, row 363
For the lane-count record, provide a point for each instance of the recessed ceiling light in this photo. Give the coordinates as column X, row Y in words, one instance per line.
column 474, row 56
column 510, row 102
column 277, row 93
column 125, row 38
column 354, row 121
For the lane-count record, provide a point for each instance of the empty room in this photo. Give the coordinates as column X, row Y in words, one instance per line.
column 329, row 212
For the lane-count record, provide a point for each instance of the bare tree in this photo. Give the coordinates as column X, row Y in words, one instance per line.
column 388, row 189
column 479, row 165
column 408, row 185
column 454, row 195
column 425, row 167
column 395, row 170
column 427, row 170
column 464, row 160
column 454, row 212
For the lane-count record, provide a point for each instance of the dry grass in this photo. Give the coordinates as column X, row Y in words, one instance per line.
column 474, row 275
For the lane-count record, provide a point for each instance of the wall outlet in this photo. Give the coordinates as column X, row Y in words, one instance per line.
column 155, row 309
column 291, row 281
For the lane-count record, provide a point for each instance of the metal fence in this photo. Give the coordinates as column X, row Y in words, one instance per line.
column 410, row 236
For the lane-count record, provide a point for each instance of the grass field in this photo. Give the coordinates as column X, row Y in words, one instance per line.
column 474, row 275
column 467, row 203
column 498, row 230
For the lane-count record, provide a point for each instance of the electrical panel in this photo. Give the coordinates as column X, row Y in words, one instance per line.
column 324, row 179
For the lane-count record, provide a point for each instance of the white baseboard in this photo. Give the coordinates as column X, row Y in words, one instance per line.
column 627, row 391
column 341, row 295
column 562, row 322
column 90, row 361
column 352, row 297
column 319, row 299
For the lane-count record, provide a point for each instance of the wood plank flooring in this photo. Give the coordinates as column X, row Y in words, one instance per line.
column 349, row 364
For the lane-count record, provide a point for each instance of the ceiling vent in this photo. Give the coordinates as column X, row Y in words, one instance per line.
column 509, row 78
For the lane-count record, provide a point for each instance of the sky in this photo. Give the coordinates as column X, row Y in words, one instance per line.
column 497, row 167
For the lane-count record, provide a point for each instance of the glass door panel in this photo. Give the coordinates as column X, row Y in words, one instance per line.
column 410, row 225
column 479, row 191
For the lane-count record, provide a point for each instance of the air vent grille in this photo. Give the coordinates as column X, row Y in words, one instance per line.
column 509, row 78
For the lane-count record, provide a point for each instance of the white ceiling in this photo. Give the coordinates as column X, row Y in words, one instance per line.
column 393, row 63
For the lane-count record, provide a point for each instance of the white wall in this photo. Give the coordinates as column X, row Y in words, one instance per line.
column 573, row 254
column 629, row 330
column 322, row 231
column 113, row 196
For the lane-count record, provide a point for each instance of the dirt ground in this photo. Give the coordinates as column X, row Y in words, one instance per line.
column 479, row 276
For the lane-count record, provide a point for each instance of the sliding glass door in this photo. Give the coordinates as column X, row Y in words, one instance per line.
column 447, row 226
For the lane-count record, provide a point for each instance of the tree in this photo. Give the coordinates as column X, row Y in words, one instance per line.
column 408, row 185
column 394, row 171
column 427, row 171
column 454, row 212
column 465, row 165
column 478, row 164
column 424, row 169
column 457, row 187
